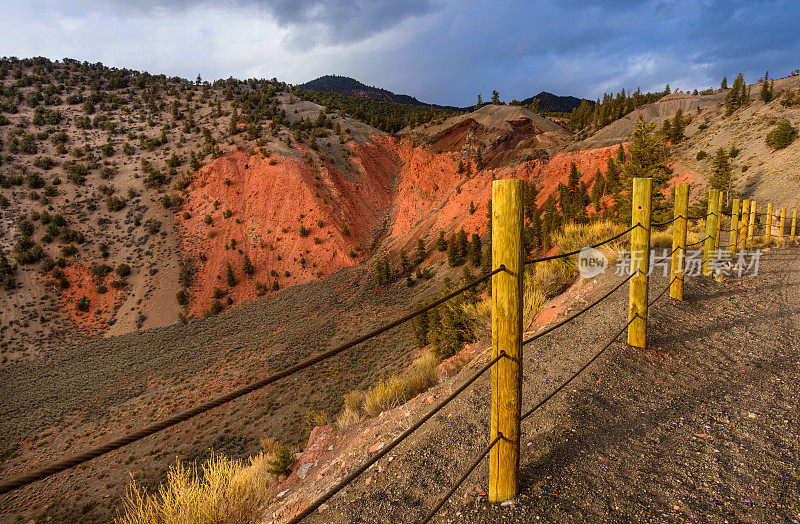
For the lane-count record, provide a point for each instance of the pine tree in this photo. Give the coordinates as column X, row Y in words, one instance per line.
column 441, row 243
column 233, row 125
column 462, row 241
column 475, row 250
column 766, row 89
column 678, row 127
column 738, row 96
column 229, row 276
column 248, row 268
column 647, row 158
column 452, row 251
column 721, row 174
column 724, row 85
column 495, row 97
column 598, row 189
column 421, row 252
column 479, row 165
column 613, row 183
column 621, row 156
column 405, row 265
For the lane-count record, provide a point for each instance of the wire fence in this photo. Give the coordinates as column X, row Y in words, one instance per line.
column 170, row 421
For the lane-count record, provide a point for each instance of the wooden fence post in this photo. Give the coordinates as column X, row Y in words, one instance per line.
column 783, row 223
column 678, row 265
column 719, row 219
column 507, row 300
column 711, row 230
column 768, row 232
column 751, row 225
column 743, row 224
column 640, row 261
column 734, row 226
column 794, row 222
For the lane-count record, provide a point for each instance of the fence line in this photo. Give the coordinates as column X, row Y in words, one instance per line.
column 510, row 229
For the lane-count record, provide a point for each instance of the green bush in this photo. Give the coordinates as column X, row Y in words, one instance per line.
column 783, row 135
column 701, row 155
column 284, row 459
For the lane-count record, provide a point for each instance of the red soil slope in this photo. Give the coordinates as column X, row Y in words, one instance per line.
column 433, row 196
column 269, row 198
column 102, row 306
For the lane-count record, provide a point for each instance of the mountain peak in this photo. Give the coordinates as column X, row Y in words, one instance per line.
column 345, row 85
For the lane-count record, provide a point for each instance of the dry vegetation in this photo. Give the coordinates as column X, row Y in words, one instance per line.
column 223, row 491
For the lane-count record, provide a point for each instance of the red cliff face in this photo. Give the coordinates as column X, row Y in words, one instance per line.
column 393, row 190
column 257, row 206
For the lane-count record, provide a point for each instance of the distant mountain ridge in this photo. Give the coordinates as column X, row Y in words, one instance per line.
column 345, row 85
column 555, row 103
column 350, row 86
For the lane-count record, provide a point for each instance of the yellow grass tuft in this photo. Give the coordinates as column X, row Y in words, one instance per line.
column 389, row 392
column 226, row 491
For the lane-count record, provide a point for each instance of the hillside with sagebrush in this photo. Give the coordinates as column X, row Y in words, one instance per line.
column 164, row 240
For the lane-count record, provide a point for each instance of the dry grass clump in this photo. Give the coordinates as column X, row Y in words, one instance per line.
column 575, row 236
column 389, row 392
column 225, row 491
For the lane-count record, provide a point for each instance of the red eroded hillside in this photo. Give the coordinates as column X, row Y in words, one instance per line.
column 432, row 195
column 100, row 303
column 254, row 205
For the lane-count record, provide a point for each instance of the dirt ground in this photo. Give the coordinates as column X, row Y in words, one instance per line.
column 702, row 426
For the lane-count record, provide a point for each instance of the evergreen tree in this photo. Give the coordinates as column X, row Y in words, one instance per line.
column 621, row 156
column 598, row 189
column 678, row 127
column 479, row 165
column 461, row 244
column 452, row 251
column 248, row 266
column 421, row 252
column 738, row 96
column 724, row 85
column 405, row 265
column 766, row 88
column 647, row 158
column 480, row 102
column 613, row 183
column 229, row 276
column 721, row 174
column 495, row 98
column 233, row 125
column 475, row 250
column 441, row 243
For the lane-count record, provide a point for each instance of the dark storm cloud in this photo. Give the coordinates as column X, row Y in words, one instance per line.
column 443, row 51
column 316, row 21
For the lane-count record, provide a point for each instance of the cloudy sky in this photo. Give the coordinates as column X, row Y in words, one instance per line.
column 441, row 51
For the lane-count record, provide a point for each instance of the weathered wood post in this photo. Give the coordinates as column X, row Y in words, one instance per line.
column 794, row 222
column 783, row 223
column 768, row 232
column 743, row 224
column 507, row 300
column 719, row 219
column 751, row 225
column 711, row 231
column 640, row 261
column 678, row 266
column 734, row 226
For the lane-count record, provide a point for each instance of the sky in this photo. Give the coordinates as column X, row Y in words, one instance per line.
column 439, row 51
